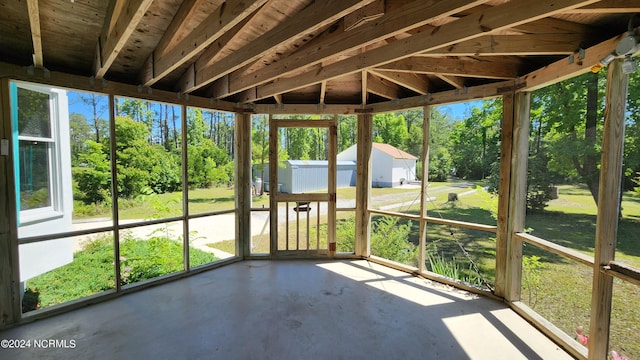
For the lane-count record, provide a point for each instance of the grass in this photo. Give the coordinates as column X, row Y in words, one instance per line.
column 92, row 269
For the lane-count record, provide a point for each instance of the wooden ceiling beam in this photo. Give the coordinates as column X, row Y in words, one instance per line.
column 472, row 26
column 610, row 7
column 455, row 81
column 555, row 27
column 312, row 18
column 520, row 45
column 175, row 32
column 381, row 87
column 411, row 15
column 454, row 67
column 125, row 18
column 412, row 82
column 36, row 35
column 228, row 15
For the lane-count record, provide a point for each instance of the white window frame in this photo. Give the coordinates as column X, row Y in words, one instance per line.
column 54, row 210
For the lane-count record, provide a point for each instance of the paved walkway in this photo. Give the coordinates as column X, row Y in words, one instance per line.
column 213, row 229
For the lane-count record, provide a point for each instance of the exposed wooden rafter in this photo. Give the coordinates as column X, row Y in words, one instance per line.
column 36, row 36
column 229, row 14
column 381, row 87
column 521, row 45
column 467, row 28
column 454, row 67
column 610, row 6
column 411, row 15
column 455, row 81
column 125, row 18
column 410, row 81
column 310, row 19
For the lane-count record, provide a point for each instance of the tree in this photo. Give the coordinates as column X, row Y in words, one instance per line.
column 98, row 105
column 79, row 132
column 571, row 113
column 475, row 141
column 390, row 129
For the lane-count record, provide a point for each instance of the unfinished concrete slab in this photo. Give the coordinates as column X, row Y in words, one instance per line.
column 298, row 309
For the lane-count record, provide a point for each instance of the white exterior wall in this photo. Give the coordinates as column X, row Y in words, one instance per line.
column 382, row 169
column 403, row 169
column 41, row 257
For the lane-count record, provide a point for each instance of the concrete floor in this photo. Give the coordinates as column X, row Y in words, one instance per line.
column 290, row 310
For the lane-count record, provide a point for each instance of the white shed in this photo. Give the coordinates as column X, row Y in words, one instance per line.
column 390, row 165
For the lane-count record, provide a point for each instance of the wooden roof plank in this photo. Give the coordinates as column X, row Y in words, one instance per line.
column 411, row 15
column 469, row 27
column 118, row 32
column 36, row 35
column 310, row 19
column 228, row 15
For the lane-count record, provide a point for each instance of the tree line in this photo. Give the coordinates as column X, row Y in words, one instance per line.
column 566, row 132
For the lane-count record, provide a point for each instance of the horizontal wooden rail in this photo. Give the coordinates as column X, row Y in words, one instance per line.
column 623, row 271
column 97, row 230
column 556, row 249
column 462, row 224
column 393, row 213
column 302, row 197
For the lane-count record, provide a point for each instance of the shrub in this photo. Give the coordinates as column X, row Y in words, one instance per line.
column 92, row 269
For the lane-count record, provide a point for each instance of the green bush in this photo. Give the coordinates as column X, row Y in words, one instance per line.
column 92, row 269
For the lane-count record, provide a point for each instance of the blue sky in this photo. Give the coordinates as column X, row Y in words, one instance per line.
column 456, row 111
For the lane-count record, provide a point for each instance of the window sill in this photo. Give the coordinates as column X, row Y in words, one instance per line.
column 39, row 216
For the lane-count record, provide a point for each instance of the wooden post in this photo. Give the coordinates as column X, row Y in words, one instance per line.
column 363, row 185
column 185, row 190
column 243, row 183
column 114, row 191
column 517, row 195
column 608, row 209
column 425, row 182
column 273, row 185
column 514, row 152
column 10, row 307
column 332, row 154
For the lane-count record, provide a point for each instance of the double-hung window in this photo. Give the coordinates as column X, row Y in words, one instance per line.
column 36, row 161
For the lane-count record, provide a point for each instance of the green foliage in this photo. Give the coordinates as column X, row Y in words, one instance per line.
column 93, row 177
column 390, row 129
column 92, row 269
column 390, row 240
column 451, row 268
column 475, row 142
column 531, row 270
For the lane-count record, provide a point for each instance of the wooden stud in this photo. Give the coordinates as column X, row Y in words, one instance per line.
column 517, row 194
column 10, row 307
column 243, row 183
column 424, row 197
column 608, row 208
column 114, row 191
column 363, row 185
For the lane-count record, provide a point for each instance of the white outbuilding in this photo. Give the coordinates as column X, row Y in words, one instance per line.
column 390, row 166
